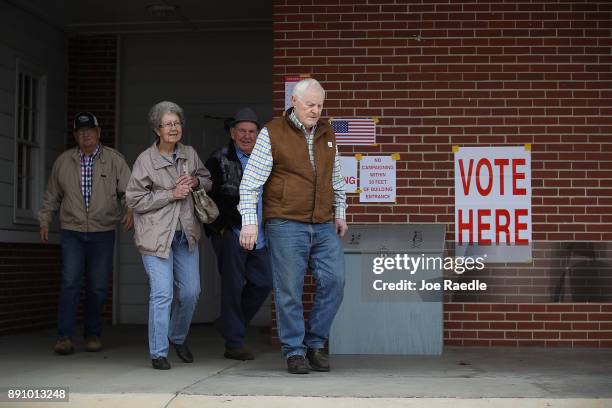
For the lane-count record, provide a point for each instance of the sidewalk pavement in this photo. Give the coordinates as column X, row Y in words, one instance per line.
column 121, row 376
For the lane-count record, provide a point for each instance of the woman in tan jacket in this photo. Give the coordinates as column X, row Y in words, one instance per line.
column 167, row 230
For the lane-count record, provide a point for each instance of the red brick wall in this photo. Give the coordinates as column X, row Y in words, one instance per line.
column 30, row 275
column 440, row 73
column 544, row 325
column 92, row 76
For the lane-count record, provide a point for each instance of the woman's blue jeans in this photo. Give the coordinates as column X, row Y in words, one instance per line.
column 175, row 278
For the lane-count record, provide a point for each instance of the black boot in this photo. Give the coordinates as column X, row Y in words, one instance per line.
column 297, row 365
column 183, row 352
column 160, row 363
column 318, row 359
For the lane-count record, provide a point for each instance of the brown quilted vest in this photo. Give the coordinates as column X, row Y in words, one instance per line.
column 293, row 190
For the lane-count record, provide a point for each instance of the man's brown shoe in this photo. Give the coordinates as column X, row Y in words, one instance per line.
column 318, row 359
column 93, row 344
column 63, row 347
column 297, row 365
column 239, row 353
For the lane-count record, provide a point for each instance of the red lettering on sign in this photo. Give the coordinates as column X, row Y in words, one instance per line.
column 517, row 176
column 520, row 226
column 484, row 185
column 479, row 178
column 466, row 184
column 483, row 226
column 502, row 222
column 501, row 163
column 502, row 227
column 465, row 226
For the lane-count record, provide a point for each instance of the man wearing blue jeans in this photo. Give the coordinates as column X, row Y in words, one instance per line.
column 87, row 185
column 246, row 277
column 296, row 161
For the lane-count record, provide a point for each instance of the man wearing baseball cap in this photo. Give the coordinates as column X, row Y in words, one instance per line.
column 87, row 185
column 246, row 278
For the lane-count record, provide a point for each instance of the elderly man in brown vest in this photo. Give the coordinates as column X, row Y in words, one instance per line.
column 296, row 160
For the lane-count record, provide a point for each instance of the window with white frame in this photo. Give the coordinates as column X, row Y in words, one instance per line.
column 29, row 132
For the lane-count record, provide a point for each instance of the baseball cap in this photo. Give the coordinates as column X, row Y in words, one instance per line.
column 85, row 120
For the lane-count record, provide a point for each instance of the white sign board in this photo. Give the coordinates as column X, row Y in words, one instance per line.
column 493, row 202
column 290, row 82
column 349, row 173
column 377, row 179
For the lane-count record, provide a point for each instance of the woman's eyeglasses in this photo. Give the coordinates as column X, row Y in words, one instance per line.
column 171, row 125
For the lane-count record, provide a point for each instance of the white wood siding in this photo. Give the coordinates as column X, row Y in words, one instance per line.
column 28, row 38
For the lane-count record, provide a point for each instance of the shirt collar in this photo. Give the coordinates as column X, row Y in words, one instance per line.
column 240, row 153
column 159, row 161
column 93, row 155
column 296, row 122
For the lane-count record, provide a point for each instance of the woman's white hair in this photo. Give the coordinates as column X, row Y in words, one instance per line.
column 158, row 110
column 301, row 87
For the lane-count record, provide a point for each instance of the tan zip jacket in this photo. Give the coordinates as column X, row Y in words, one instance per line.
column 109, row 181
column 156, row 212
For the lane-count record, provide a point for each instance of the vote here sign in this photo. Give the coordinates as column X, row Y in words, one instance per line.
column 493, row 196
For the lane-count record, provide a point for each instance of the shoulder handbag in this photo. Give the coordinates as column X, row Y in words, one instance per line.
column 205, row 208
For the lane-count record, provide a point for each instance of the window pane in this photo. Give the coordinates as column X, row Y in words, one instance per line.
column 34, row 110
column 34, row 93
column 27, row 178
column 20, row 107
column 19, row 122
column 20, row 90
column 26, row 91
column 26, row 124
column 27, row 114
column 34, row 126
column 19, row 176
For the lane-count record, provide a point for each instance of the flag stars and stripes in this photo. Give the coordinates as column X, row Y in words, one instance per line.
column 354, row 131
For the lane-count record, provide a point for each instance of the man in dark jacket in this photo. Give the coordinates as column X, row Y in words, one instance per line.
column 246, row 278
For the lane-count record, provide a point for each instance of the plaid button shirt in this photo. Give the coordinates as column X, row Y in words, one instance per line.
column 87, row 163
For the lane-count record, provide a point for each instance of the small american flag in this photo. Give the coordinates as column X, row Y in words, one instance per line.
column 354, row 131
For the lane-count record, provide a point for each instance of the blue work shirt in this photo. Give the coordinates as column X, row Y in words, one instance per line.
column 261, row 239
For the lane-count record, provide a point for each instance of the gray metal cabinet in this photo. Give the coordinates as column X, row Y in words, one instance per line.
column 394, row 322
